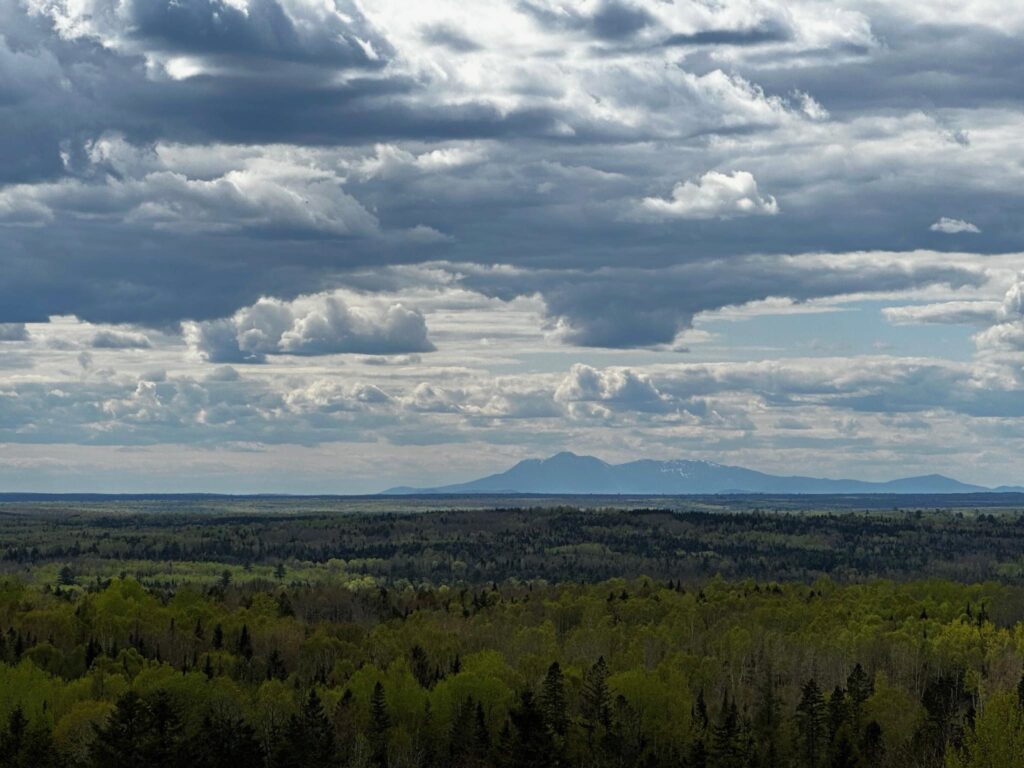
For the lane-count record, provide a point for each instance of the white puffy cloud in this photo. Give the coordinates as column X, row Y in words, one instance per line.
column 1006, row 334
column 714, row 195
column 949, row 226
column 321, row 324
column 615, row 388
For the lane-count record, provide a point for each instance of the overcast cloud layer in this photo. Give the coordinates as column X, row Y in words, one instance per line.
column 285, row 245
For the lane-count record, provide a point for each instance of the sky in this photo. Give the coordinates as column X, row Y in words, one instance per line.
column 329, row 246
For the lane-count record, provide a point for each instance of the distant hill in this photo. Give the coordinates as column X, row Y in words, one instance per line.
column 568, row 473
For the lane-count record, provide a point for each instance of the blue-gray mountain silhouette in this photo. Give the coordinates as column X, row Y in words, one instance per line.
column 568, row 473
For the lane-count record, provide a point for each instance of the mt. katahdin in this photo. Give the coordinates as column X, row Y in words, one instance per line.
column 568, row 473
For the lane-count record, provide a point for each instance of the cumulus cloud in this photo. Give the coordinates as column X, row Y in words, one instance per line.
column 714, row 195
column 322, row 324
column 950, row 226
column 1006, row 334
column 13, row 332
column 108, row 339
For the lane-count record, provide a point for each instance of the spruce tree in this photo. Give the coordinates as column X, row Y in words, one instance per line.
column 553, row 702
column 595, row 700
column 120, row 742
column 811, row 724
column 380, row 723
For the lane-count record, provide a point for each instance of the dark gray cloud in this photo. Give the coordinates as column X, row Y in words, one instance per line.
column 263, row 30
column 449, row 36
column 771, row 31
column 626, row 307
column 606, row 20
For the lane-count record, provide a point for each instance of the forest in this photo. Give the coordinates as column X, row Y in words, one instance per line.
column 553, row 637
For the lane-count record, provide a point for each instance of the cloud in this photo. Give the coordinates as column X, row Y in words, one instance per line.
column 1006, row 334
column 167, row 187
column 950, row 226
column 449, row 36
column 290, row 30
column 13, row 332
column 714, row 195
column 108, row 339
column 323, row 324
column 633, row 307
column 945, row 313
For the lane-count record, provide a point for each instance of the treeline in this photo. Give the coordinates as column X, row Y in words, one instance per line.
column 559, row 544
column 640, row 673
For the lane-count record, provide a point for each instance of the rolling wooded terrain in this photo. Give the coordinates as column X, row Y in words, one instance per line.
column 547, row 637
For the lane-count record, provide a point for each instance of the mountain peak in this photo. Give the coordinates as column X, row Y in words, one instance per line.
column 570, row 473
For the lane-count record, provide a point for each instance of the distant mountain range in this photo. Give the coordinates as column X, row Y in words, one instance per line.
column 568, row 473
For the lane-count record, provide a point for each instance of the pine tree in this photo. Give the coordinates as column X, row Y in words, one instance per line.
column 837, row 713
column 726, row 749
column 700, row 712
column 595, row 700
column 460, row 737
column 66, row 577
column 811, row 716
column 858, row 690
column 23, row 745
column 419, row 664
column 308, row 740
column 226, row 742
column 162, row 737
column 553, row 702
column 119, row 743
column 380, row 723
column 532, row 746
column 481, row 734
column 244, row 647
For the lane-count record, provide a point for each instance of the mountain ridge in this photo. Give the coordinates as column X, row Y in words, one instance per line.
column 570, row 473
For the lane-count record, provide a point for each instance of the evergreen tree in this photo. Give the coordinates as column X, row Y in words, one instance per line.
column 595, row 699
column 23, row 745
column 553, row 701
column 162, row 736
column 532, row 746
column 275, row 666
column 460, row 737
column 837, row 713
column 308, row 740
column 858, row 690
column 419, row 664
column 872, row 748
column 380, row 723
column 226, row 742
column 481, row 734
column 811, row 724
column 700, row 712
column 244, row 647
column 726, row 748
column 120, row 742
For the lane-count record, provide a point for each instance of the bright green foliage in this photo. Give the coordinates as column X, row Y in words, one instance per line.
column 626, row 673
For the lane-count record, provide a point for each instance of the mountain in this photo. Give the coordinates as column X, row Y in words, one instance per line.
column 567, row 473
